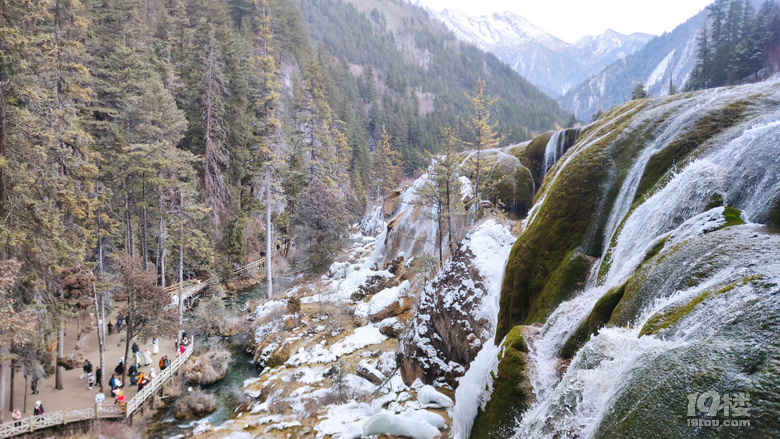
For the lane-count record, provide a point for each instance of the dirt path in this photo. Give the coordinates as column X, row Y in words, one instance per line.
column 76, row 393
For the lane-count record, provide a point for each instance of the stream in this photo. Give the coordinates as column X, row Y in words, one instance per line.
column 164, row 425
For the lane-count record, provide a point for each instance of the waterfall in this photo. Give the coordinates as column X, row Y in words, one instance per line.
column 554, row 149
column 557, row 147
column 741, row 165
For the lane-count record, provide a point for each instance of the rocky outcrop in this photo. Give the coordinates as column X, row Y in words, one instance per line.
column 512, row 391
column 453, row 317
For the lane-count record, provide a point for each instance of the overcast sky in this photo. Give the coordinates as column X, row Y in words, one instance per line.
column 571, row 19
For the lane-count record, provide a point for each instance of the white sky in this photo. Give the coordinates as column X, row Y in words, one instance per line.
column 571, row 19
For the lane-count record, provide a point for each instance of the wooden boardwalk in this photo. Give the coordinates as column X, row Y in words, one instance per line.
column 192, row 289
column 98, row 411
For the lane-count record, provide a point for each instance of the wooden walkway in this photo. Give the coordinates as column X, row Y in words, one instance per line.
column 99, row 410
column 191, row 289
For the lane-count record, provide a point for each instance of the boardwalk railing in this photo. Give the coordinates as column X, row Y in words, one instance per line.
column 192, row 287
column 62, row 417
column 98, row 411
column 156, row 384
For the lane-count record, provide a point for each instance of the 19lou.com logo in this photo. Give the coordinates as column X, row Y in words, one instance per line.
column 711, row 409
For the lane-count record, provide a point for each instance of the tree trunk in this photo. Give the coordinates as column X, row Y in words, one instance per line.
column 13, row 375
column 449, row 218
column 161, row 239
column 128, row 332
column 130, row 243
column 181, row 257
column 439, row 226
column 61, row 353
column 144, row 246
column 3, row 353
column 60, row 349
column 268, row 234
column 101, row 320
column 100, row 244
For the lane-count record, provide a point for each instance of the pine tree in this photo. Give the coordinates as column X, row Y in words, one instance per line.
column 385, row 166
column 214, row 86
column 484, row 134
column 639, row 92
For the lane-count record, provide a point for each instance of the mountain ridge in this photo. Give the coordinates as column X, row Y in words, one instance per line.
column 548, row 62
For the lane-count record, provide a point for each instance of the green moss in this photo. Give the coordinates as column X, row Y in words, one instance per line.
column 715, row 201
column 512, row 391
column 676, row 151
column 597, row 318
column 531, row 155
column 733, row 217
column 509, row 186
column 670, row 317
column 568, row 278
column 550, row 259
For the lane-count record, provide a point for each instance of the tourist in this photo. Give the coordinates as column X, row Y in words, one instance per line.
column 34, row 385
column 90, row 380
column 112, row 382
column 137, row 361
column 38, row 410
column 141, row 381
column 118, row 324
column 135, row 347
column 132, row 372
column 120, row 368
column 98, row 375
column 120, row 398
column 110, row 328
column 152, row 374
column 164, row 362
column 87, row 369
column 182, row 348
column 17, row 417
column 155, row 346
column 147, row 357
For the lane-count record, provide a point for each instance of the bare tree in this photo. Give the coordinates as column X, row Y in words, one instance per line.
column 147, row 309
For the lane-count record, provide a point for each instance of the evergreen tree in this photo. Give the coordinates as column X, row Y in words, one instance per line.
column 321, row 225
column 484, row 134
column 385, row 166
column 639, row 92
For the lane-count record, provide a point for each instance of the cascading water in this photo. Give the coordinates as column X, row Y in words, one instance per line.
column 741, row 165
column 554, row 149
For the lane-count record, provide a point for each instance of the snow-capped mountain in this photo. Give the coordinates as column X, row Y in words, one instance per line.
column 548, row 62
column 668, row 57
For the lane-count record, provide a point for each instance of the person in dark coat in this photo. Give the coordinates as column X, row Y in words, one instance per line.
column 118, row 324
column 38, row 408
column 34, row 385
column 135, row 347
column 98, row 375
column 87, row 369
column 110, row 328
column 120, row 368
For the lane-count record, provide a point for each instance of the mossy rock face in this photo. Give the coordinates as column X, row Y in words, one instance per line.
column 509, row 186
column 531, row 155
column 597, row 318
column 549, row 260
column 676, row 151
column 512, row 391
column 690, row 263
column 738, row 355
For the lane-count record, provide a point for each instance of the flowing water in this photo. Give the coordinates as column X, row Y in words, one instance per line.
column 742, row 166
column 241, row 368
